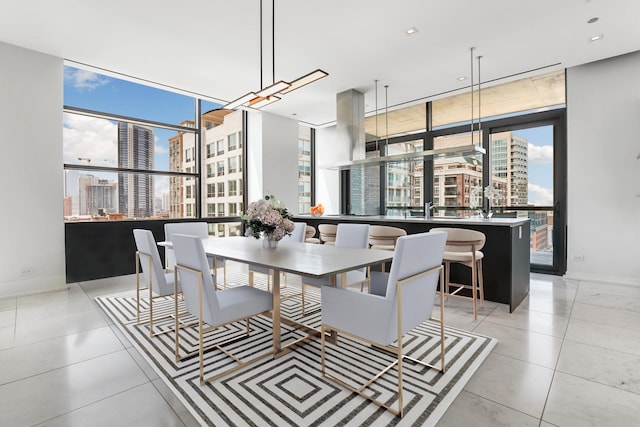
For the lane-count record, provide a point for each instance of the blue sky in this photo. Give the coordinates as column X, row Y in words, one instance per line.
column 540, row 163
column 85, row 89
column 97, row 139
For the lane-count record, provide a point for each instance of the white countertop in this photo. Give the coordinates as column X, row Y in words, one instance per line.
column 511, row 222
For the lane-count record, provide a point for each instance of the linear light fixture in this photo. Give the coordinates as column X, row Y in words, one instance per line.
column 267, row 95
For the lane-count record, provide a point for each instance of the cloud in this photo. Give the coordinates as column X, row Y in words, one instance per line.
column 540, row 154
column 89, row 138
column 540, row 196
column 85, row 80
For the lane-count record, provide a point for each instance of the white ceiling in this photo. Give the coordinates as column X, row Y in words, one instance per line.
column 212, row 47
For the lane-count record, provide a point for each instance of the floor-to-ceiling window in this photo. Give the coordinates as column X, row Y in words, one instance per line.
column 132, row 151
column 520, row 124
column 118, row 141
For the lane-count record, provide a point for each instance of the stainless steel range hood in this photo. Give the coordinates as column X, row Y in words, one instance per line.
column 464, row 150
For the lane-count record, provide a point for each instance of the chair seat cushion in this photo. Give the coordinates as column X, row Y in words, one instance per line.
column 461, row 256
column 242, row 301
column 312, row 240
column 384, row 247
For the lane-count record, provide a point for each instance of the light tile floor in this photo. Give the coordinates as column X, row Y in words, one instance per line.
column 569, row 355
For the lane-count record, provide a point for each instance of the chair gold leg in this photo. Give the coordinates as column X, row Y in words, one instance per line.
column 480, row 281
column 137, row 288
column 177, row 326
column 224, row 272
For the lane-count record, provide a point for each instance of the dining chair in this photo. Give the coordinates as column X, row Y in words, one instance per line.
column 348, row 236
column 464, row 247
column 398, row 302
column 297, row 235
column 200, row 229
column 212, row 308
column 159, row 283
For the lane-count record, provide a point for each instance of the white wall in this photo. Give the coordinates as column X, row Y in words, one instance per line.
column 32, row 249
column 603, row 112
column 272, row 158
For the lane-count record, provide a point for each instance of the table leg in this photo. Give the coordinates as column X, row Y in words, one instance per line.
column 276, row 311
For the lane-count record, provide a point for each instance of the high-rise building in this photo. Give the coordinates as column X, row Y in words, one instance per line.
column 135, row 151
column 509, row 163
column 221, row 189
column 71, row 191
column 96, row 196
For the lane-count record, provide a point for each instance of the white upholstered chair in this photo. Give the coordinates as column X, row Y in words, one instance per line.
column 213, row 309
column 398, row 302
column 464, row 247
column 199, row 229
column 297, row 235
column 348, row 236
column 158, row 282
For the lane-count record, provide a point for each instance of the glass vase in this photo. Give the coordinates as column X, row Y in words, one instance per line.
column 268, row 242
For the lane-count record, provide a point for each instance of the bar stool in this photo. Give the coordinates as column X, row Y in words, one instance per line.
column 328, row 233
column 464, row 247
column 309, row 235
column 384, row 237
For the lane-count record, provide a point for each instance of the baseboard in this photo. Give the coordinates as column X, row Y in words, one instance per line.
column 32, row 286
column 617, row 280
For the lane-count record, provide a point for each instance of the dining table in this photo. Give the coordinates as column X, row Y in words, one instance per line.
column 305, row 259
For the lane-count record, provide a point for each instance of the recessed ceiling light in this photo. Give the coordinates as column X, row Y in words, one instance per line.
column 596, row 37
column 461, row 78
column 411, row 31
column 592, row 20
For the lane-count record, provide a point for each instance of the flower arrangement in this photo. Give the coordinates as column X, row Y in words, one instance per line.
column 492, row 194
column 268, row 218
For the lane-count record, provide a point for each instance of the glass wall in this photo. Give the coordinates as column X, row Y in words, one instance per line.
column 520, row 124
column 133, row 151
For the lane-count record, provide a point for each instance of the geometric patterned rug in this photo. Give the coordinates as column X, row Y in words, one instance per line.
column 290, row 390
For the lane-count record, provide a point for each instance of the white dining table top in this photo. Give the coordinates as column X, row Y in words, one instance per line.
column 298, row 258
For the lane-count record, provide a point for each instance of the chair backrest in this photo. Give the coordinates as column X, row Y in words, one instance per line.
column 385, row 235
column 310, row 231
column 352, row 235
column 199, row 229
column 328, row 232
column 460, row 236
column 190, row 253
column 414, row 254
column 146, row 244
column 298, row 233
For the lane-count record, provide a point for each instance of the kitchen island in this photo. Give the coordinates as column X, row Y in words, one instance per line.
column 506, row 252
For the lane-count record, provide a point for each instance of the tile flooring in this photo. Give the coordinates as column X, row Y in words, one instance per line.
column 569, row 355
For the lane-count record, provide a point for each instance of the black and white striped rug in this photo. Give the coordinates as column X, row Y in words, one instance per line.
column 290, row 390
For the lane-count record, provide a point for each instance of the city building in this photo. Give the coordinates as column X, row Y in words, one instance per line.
column 136, row 148
column 97, row 196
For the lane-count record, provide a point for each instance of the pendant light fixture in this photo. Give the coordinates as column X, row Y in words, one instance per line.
column 269, row 94
column 377, row 136
column 386, row 114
